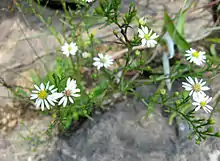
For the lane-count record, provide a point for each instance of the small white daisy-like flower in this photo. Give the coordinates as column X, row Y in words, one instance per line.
column 148, row 37
column 69, row 93
column 44, row 96
column 68, row 49
column 194, row 56
column 143, row 21
column 195, row 86
column 89, row 1
column 86, row 55
column 102, row 61
column 201, row 101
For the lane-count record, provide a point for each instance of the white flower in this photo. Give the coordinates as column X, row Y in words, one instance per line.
column 86, row 55
column 194, row 56
column 45, row 96
column 143, row 21
column 195, row 86
column 148, row 38
column 89, row 0
column 102, row 61
column 70, row 92
column 201, row 101
column 68, row 49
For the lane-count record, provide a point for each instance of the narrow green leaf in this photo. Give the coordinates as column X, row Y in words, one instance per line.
column 215, row 40
column 177, row 38
column 181, row 23
column 20, row 92
column 172, row 116
column 56, row 79
column 212, row 50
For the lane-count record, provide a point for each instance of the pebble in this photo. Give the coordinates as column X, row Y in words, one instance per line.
column 8, row 116
column 12, row 123
column 4, row 121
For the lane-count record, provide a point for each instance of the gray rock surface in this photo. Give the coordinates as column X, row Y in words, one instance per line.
column 117, row 135
column 122, row 134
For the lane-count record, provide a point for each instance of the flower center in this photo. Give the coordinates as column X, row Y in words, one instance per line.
column 197, row 87
column 42, row 94
column 146, row 36
column 69, row 48
column 195, row 54
column 103, row 60
column 203, row 103
column 67, row 92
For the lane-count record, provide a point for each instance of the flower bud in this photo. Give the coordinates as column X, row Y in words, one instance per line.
column 126, row 15
column 198, row 142
column 210, row 129
column 94, row 76
column 162, row 91
column 217, row 134
column 148, row 68
column 137, row 52
column 115, row 32
column 142, row 21
column 211, row 121
column 176, row 93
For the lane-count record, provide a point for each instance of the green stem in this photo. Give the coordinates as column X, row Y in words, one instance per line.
column 126, row 64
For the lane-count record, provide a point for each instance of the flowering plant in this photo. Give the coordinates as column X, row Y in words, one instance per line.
column 87, row 73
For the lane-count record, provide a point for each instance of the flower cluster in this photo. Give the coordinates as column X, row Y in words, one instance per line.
column 147, row 36
column 48, row 96
column 99, row 62
column 196, row 88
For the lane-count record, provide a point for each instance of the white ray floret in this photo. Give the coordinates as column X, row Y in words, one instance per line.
column 44, row 96
column 194, row 56
column 102, row 61
column 195, row 86
column 86, row 55
column 143, row 21
column 148, row 37
column 69, row 49
column 69, row 93
column 89, row 1
column 201, row 101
